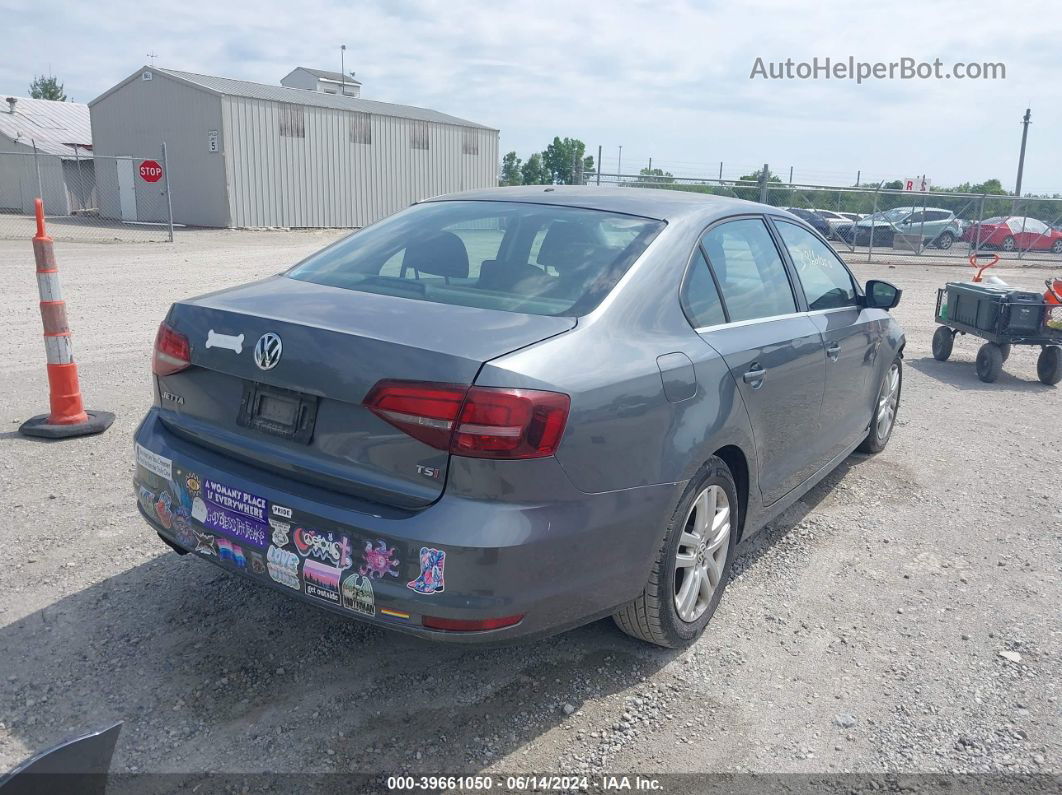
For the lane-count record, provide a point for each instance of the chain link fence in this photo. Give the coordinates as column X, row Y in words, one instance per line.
column 86, row 197
column 879, row 223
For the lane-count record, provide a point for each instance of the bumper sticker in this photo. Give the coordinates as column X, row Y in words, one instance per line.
column 283, row 567
column 321, row 580
column 379, row 560
column 231, row 553
column 432, row 572
column 153, row 462
column 237, row 527
column 357, row 594
column 204, row 543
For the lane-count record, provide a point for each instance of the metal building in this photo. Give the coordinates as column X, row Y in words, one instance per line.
column 46, row 151
column 246, row 154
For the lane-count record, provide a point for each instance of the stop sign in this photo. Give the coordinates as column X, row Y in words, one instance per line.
column 150, row 171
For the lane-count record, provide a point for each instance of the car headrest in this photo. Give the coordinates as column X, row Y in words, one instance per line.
column 567, row 245
column 441, row 254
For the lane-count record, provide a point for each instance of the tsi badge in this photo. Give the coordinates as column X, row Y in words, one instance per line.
column 429, row 472
column 267, row 351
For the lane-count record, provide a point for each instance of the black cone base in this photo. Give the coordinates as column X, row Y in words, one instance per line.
column 97, row 422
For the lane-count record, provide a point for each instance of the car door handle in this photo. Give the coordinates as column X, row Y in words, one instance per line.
column 833, row 351
column 754, row 376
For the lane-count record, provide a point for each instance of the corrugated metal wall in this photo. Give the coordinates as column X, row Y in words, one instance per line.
column 134, row 120
column 325, row 179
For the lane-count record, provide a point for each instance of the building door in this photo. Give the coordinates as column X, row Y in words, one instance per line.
column 126, row 187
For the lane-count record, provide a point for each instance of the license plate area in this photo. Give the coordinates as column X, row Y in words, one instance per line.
column 278, row 412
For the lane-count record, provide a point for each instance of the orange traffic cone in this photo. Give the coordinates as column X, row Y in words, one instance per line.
column 68, row 416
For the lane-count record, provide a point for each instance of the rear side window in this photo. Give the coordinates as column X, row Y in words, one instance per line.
column 826, row 282
column 749, row 270
column 511, row 256
column 699, row 296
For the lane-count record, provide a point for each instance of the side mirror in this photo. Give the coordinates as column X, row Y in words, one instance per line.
column 882, row 295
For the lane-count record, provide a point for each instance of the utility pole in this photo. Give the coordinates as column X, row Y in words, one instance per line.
column 859, row 173
column 1025, row 122
column 619, row 163
column 598, row 169
column 790, row 176
column 650, row 166
column 342, row 70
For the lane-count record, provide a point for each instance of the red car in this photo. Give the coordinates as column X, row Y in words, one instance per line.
column 1015, row 233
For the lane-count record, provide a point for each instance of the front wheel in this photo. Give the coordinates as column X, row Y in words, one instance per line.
column 1056, row 247
column 1008, row 243
column 885, row 410
column 692, row 565
column 943, row 342
column 1049, row 365
column 989, row 362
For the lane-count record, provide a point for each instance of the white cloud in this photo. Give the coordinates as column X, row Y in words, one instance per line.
column 668, row 79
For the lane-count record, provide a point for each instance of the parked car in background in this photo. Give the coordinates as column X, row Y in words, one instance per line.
column 936, row 226
column 812, row 218
column 833, row 219
column 1014, row 233
column 507, row 412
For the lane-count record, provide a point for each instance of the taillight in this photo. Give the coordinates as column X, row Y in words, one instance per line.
column 470, row 625
column 172, row 352
column 478, row 421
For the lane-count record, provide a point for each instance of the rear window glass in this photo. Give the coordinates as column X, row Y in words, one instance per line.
column 516, row 257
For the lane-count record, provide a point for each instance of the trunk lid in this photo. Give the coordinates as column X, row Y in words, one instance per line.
column 335, row 345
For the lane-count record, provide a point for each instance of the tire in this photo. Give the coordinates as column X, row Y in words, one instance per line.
column 1056, row 247
column 1004, row 349
column 1007, row 244
column 989, row 362
column 945, row 240
column 1049, row 365
column 888, row 401
column 654, row 615
column 943, row 342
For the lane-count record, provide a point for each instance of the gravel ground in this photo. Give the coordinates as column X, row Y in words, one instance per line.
column 902, row 617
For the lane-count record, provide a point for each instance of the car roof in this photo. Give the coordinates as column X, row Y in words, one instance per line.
column 656, row 203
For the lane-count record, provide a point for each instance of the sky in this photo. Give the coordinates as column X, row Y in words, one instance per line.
column 668, row 79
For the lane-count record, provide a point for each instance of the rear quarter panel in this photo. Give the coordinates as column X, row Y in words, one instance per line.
column 622, row 431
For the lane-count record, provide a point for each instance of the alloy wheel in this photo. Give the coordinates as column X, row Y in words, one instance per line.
column 888, row 400
column 701, row 555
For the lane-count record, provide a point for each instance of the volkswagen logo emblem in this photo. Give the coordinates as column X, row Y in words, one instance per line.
column 267, row 351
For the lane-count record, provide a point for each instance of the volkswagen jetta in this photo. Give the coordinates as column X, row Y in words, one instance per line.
column 507, row 412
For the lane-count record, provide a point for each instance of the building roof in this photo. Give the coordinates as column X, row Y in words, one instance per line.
column 224, row 86
column 658, row 203
column 325, row 75
column 53, row 126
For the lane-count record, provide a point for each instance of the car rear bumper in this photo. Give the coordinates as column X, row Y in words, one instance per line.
column 537, row 548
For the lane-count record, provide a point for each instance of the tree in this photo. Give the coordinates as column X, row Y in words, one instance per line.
column 656, row 176
column 561, row 155
column 48, row 87
column 533, row 172
column 511, row 174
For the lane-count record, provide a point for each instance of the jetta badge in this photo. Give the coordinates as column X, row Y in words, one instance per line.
column 267, row 351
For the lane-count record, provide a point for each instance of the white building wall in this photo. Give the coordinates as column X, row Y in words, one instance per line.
column 326, row 180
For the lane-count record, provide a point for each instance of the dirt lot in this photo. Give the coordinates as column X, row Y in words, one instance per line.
column 864, row 631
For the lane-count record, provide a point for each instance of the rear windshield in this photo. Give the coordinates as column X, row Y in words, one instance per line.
column 534, row 258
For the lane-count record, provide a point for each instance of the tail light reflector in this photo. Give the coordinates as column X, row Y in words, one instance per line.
column 477, row 421
column 470, row 625
column 172, row 352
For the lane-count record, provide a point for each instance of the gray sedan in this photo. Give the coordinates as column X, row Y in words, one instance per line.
column 503, row 413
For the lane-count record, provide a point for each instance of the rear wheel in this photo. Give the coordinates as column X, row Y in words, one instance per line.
column 692, row 565
column 1008, row 243
column 989, row 362
column 885, row 410
column 1056, row 247
column 1049, row 365
column 943, row 342
column 945, row 240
